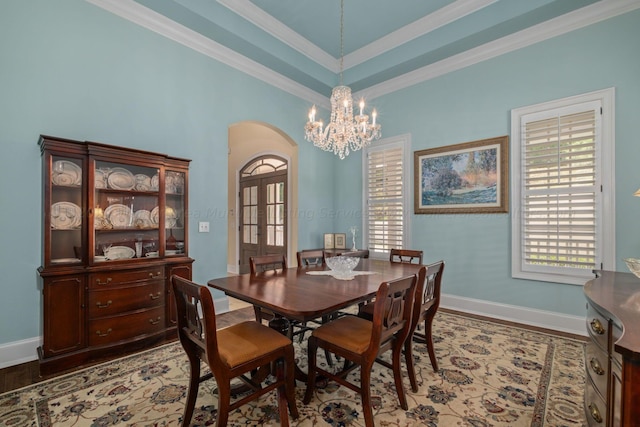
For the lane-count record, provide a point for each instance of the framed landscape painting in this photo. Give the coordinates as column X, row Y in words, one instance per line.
column 470, row 177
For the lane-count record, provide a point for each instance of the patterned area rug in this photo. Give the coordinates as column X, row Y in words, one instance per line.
column 490, row 375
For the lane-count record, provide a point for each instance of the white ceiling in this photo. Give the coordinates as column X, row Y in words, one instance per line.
column 388, row 44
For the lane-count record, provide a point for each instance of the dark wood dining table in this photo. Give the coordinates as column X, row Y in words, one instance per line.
column 296, row 295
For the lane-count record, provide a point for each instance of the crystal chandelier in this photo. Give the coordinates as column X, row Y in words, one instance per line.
column 344, row 133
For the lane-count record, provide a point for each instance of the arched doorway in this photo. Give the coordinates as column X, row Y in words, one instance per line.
column 249, row 141
column 262, row 209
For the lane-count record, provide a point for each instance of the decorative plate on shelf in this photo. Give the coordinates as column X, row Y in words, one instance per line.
column 170, row 217
column 100, row 178
column 65, row 216
column 142, row 219
column 121, row 179
column 155, row 216
column 155, row 182
column 120, row 216
column 66, row 173
column 143, row 182
column 120, row 252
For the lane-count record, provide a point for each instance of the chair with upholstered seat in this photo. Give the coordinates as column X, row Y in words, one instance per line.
column 424, row 310
column 361, row 342
column 230, row 353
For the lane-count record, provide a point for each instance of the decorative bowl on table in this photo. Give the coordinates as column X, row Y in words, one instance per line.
column 342, row 266
column 634, row 265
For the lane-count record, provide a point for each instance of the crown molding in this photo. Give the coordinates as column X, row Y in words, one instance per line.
column 151, row 20
column 560, row 25
column 588, row 15
column 286, row 35
column 418, row 28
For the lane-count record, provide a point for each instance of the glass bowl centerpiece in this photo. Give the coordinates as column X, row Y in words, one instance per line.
column 634, row 265
column 342, row 266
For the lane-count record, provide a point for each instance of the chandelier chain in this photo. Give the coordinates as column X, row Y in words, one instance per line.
column 344, row 132
column 341, row 40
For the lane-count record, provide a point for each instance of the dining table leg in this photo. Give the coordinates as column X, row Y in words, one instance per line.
column 282, row 324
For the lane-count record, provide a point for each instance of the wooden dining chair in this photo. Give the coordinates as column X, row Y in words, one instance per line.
column 410, row 256
column 310, row 257
column 362, row 253
column 262, row 264
column 424, row 310
column 362, row 341
column 230, row 353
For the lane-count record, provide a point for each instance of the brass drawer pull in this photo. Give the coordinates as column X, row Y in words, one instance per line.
column 158, row 275
column 595, row 413
column 156, row 296
column 597, row 327
column 595, row 366
column 154, row 322
column 100, row 305
column 100, row 282
column 100, row 334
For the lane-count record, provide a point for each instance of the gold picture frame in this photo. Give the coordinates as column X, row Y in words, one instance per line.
column 471, row 177
column 340, row 240
column 328, row 241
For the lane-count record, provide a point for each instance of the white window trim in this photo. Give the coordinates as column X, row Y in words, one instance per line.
column 606, row 172
column 404, row 142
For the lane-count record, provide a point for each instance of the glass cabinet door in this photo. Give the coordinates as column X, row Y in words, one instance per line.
column 174, row 215
column 66, row 219
column 126, row 212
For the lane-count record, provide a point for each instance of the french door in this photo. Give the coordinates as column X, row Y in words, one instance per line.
column 263, row 207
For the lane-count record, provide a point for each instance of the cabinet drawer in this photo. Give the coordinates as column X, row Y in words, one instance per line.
column 108, row 330
column 111, row 301
column 594, row 407
column 106, row 279
column 598, row 328
column 597, row 367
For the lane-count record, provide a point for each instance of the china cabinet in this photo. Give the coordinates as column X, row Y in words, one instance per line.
column 114, row 231
column 612, row 393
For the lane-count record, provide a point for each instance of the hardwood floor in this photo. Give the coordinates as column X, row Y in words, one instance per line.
column 25, row 374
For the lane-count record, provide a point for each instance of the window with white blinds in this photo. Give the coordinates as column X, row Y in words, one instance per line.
column 558, row 232
column 386, row 208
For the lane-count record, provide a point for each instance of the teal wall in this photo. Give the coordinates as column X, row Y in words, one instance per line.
column 73, row 70
column 475, row 103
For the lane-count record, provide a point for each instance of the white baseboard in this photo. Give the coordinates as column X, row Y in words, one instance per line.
column 17, row 352
column 528, row 316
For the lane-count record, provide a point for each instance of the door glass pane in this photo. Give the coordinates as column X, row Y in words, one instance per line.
column 246, row 215
column 270, row 214
column 254, row 235
column 279, row 235
column 270, row 235
column 280, row 215
column 253, row 200
column 254, row 215
column 280, row 192
column 270, row 193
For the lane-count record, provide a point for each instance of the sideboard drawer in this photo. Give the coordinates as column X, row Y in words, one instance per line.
column 594, row 406
column 116, row 300
column 597, row 362
column 107, row 279
column 598, row 327
column 108, row 330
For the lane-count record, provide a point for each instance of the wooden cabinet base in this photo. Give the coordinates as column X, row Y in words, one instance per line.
column 70, row 361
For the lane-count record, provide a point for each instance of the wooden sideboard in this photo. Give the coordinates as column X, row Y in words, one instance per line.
column 612, row 392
